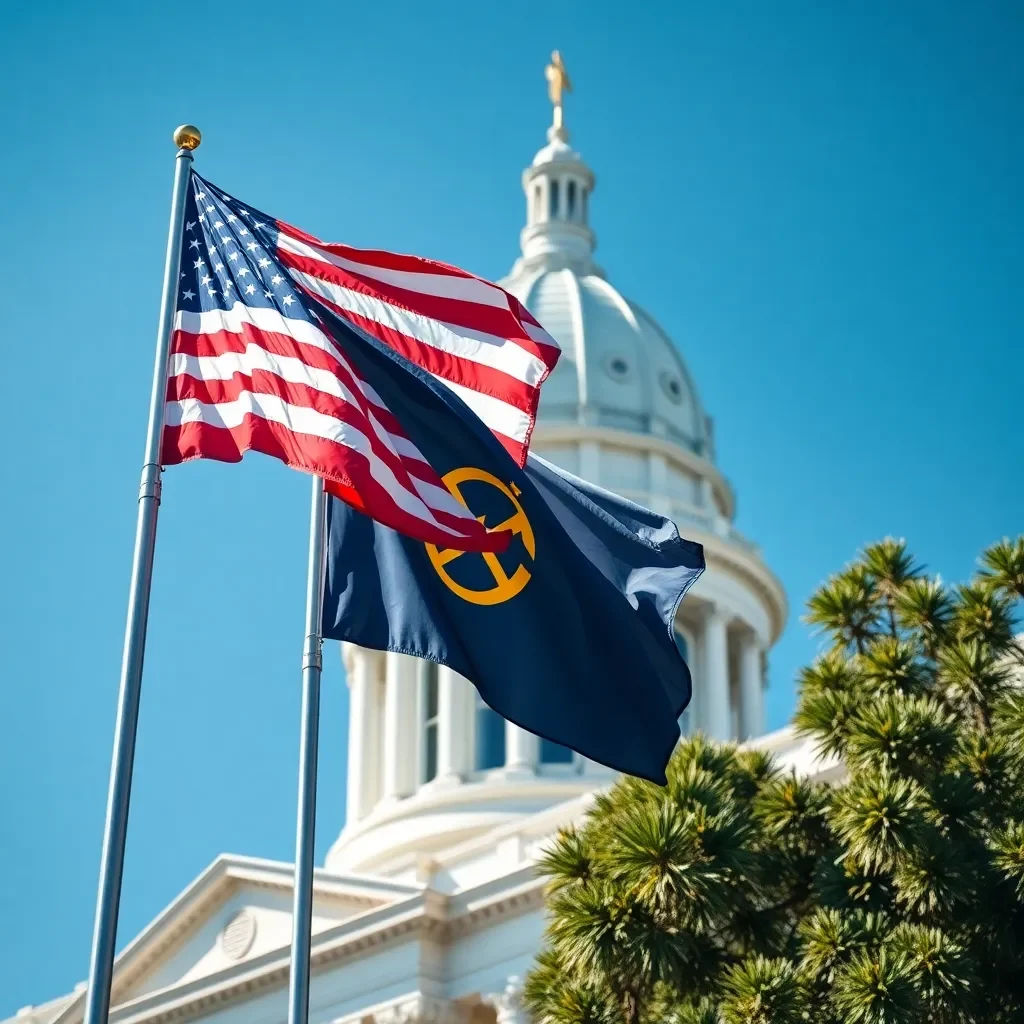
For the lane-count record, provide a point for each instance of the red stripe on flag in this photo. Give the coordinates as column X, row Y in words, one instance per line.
column 486, row 380
column 222, row 342
column 262, row 382
column 474, row 316
column 314, row 455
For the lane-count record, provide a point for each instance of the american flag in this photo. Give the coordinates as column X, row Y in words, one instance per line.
column 254, row 366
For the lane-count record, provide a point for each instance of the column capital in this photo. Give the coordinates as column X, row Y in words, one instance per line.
column 717, row 611
column 351, row 652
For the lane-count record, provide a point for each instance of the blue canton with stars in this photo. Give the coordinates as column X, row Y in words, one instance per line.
column 228, row 256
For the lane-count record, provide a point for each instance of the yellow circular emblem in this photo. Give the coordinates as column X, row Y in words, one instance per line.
column 505, row 586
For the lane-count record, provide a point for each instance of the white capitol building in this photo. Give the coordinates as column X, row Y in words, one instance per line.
column 427, row 908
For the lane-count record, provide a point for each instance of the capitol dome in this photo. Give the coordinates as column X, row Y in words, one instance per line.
column 431, row 768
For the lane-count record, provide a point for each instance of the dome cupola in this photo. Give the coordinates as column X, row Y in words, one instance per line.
column 558, row 185
column 618, row 368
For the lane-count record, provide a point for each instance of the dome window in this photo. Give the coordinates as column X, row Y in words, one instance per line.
column 553, row 205
column 618, row 368
column 672, row 386
column 570, row 201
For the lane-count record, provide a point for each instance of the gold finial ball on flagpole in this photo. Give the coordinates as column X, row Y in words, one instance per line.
column 187, row 136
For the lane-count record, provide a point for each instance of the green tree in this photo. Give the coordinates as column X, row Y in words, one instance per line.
column 741, row 894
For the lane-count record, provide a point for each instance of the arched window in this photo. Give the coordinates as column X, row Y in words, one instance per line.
column 555, row 753
column 538, row 202
column 490, row 737
column 553, row 200
column 583, row 205
column 570, row 201
column 429, row 712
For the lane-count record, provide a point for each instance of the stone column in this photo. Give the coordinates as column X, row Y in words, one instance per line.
column 399, row 726
column 716, row 675
column 452, row 725
column 751, row 692
column 521, row 751
column 363, row 741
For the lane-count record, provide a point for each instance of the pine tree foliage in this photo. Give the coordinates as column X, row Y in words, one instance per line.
column 740, row 894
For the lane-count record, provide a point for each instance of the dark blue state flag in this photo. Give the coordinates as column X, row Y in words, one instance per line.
column 568, row 633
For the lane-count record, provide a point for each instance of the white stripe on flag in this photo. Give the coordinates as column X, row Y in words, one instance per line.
column 303, row 420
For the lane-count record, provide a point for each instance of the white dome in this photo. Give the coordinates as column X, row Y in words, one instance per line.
column 618, row 368
column 434, row 774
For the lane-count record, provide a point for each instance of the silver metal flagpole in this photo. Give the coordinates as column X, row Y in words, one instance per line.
column 305, row 827
column 108, row 898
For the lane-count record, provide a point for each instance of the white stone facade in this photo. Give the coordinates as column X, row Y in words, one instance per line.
column 428, row 908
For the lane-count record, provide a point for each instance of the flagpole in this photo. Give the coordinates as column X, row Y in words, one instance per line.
column 305, row 827
column 108, row 897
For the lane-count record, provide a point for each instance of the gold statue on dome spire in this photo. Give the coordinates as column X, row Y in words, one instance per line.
column 558, row 83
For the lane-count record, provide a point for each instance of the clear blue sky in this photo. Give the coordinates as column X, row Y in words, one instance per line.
column 821, row 203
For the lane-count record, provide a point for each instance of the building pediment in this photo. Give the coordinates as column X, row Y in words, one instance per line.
column 234, row 916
